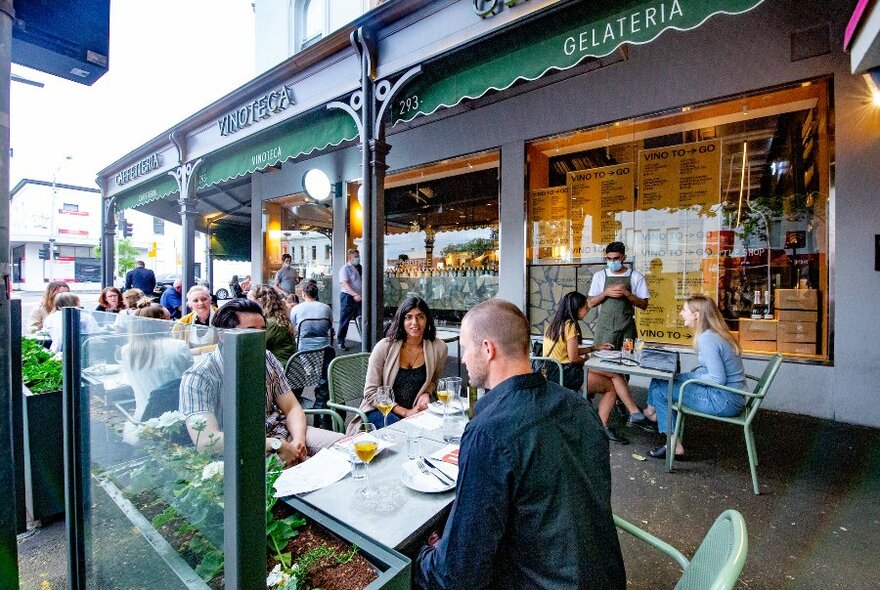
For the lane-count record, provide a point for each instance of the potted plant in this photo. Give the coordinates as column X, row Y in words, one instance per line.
column 41, row 375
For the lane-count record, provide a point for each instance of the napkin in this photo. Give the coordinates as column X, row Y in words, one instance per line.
column 426, row 421
column 448, row 454
column 325, row 468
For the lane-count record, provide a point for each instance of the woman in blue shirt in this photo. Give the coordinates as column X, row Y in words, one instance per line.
column 719, row 356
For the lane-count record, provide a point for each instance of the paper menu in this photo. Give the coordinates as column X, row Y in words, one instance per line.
column 426, row 421
column 324, row 468
column 448, row 454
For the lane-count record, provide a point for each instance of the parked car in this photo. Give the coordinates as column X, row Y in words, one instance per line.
column 165, row 281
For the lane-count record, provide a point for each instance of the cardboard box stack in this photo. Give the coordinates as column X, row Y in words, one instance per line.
column 758, row 335
column 798, row 313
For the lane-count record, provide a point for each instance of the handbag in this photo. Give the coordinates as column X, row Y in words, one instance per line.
column 659, row 359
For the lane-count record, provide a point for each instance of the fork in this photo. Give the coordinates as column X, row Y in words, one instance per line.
column 424, row 469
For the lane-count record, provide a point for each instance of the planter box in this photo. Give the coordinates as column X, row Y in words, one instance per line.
column 392, row 568
column 43, row 455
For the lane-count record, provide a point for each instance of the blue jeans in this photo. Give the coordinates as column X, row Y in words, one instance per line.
column 702, row 398
column 375, row 418
column 349, row 310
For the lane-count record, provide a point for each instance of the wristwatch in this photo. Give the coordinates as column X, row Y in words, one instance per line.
column 275, row 444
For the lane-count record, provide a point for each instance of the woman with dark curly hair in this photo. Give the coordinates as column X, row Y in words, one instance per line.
column 410, row 358
column 279, row 333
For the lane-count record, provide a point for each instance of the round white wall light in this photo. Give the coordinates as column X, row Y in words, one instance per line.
column 317, row 184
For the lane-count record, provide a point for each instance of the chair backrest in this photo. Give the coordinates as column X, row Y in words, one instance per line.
column 720, row 557
column 314, row 328
column 307, row 368
column 346, row 378
column 763, row 385
column 165, row 398
column 551, row 368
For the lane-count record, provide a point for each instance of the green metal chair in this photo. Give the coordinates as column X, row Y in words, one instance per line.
column 540, row 362
column 719, row 559
column 346, row 378
column 306, row 369
column 744, row 419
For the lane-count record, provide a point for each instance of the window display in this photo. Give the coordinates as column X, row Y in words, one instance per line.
column 727, row 199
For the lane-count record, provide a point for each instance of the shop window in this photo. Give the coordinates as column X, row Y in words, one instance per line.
column 70, row 207
column 728, row 199
column 441, row 242
column 315, row 19
column 158, row 226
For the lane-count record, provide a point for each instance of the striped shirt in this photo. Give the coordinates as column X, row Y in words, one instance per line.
column 202, row 384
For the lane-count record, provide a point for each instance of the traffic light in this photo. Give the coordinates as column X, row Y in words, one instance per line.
column 44, row 252
column 120, row 221
column 127, row 230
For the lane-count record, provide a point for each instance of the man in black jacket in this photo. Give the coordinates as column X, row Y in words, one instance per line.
column 532, row 506
column 141, row 278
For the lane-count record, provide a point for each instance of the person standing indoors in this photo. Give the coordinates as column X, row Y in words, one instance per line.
column 285, row 278
column 141, row 277
column 350, row 297
column 172, row 300
column 617, row 290
column 532, row 506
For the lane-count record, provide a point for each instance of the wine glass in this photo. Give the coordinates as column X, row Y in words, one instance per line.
column 366, row 445
column 384, row 403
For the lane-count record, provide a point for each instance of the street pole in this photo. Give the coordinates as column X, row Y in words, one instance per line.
column 52, row 219
column 8, row 546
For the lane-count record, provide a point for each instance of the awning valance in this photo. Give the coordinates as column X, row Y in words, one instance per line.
column 302, row 135
column 152, row 190
column 556, row 42
column 231, row 242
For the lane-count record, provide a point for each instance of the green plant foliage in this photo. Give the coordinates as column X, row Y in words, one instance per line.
column 477, row 247
column 41, row 372
column 127, row 256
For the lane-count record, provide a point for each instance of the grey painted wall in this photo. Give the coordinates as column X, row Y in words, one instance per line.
column 726, row 56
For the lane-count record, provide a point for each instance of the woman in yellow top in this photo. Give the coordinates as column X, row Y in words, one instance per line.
column 562, row 339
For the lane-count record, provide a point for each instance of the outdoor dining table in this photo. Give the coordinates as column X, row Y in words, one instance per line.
column 404, row 518
column 612, row 366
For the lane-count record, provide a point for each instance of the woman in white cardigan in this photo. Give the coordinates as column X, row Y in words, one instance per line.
column 410, row 358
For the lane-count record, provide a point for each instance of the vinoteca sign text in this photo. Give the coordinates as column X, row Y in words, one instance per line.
column 619, row 28
column 261, row 108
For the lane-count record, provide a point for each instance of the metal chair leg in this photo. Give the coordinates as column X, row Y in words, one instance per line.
column 750, row 447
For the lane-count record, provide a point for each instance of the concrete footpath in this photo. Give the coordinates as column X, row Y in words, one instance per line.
column 815, row 525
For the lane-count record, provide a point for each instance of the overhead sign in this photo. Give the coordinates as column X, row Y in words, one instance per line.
column 257, row 110
column 145, row 166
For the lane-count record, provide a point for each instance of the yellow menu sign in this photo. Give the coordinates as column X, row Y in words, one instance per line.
column 548, row 214
column 601, row 203
column 680, row 176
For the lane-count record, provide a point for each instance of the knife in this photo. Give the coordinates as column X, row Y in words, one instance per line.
column 437, row 469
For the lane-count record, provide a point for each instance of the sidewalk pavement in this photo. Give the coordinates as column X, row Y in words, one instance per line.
column 815, row 525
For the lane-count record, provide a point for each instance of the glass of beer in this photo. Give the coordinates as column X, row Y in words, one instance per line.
column 366, row 445
column 384, row 403
column 627, row 347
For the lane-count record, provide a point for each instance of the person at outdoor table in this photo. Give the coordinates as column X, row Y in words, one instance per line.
column 195, row 327
column 150, row 359
column 532, row 506
column 132, row 299
column 562, row 339
column 53, row 323
column 172, row 300
column 245, row 284
column 287, row 434
column 47, row 305
column 313, row 318
column 110, row 300
column 235, row 286
column 279, row 333
column 719, row 356
column 410, row 358
column 285, row 278
column 617, row 290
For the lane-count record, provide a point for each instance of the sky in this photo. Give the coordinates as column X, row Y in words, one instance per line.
column 168, row 60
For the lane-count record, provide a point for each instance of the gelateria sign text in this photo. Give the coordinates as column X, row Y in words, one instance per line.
column 261, row 108
column 623, row 28
column 145, row 166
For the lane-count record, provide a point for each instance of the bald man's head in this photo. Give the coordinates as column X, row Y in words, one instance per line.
column 502, row 323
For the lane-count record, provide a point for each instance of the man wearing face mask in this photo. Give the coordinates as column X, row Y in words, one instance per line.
column 350, row 296
column 617, row 290
column 285, row 278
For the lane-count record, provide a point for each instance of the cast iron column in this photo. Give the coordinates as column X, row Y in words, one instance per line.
column 185, row 174
column 108, row 238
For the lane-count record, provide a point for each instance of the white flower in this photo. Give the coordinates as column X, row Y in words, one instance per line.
column 152, row 423
column 170, row 418
column 212, row 469
column 277, row 577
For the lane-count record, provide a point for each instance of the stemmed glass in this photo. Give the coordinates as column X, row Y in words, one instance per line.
column 384, row 403
column 366, row 446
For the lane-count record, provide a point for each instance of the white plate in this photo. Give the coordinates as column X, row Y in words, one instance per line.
column 606, row 354
column 422, row 482
column 437, row 407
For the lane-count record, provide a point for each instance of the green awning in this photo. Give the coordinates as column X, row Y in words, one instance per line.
column 152, row 190
column 231, row 242
column 301, row 135
column 556, row 42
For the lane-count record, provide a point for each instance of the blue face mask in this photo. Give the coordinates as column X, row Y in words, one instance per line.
column 614, row 265
column 355, row 261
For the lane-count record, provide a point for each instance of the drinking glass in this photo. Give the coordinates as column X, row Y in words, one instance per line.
column 366, row 445
column 449, row 392
column 639, row 347
column 384, row 403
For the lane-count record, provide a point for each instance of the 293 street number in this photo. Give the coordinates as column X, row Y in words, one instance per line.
column 408, row 104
